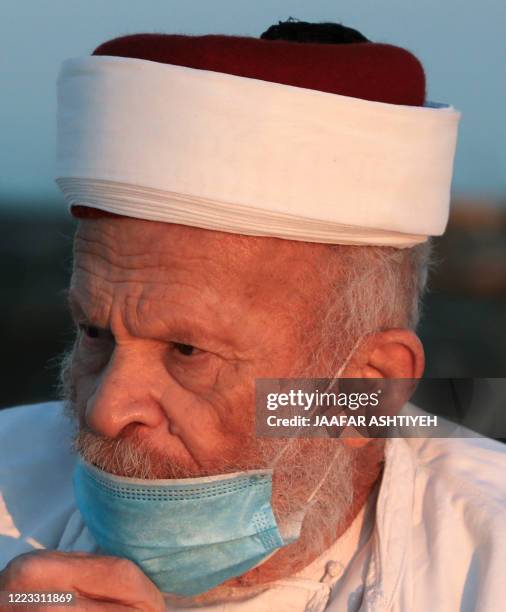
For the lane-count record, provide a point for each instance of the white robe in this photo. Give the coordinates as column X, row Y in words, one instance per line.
column 435, row 538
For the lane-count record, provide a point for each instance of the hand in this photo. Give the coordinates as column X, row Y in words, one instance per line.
column 99, row 583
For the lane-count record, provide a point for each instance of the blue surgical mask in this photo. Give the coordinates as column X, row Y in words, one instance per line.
column 187, row 535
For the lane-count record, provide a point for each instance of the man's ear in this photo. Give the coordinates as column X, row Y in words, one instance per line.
column 394, row 353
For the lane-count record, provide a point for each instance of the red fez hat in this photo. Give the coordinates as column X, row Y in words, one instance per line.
column 357, row 69
column 366, row 70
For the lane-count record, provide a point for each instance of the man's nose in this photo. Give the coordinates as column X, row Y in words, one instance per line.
column 125, row 395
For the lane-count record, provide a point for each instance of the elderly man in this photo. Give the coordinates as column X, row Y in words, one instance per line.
column 247, row 209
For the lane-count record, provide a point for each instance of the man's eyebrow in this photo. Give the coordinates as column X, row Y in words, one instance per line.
column 74, row 305
column 188, row 334
column 181, row 330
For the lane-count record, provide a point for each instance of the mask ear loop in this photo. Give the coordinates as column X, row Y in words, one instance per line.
column 310, row 499
column 337, row 374
column 290, row 531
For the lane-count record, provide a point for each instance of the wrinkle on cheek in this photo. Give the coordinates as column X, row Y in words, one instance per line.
column 196, row 422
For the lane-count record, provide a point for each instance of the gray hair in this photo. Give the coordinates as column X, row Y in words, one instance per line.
column 369, row 288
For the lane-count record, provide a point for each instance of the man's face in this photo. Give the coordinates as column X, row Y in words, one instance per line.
column 175, row 323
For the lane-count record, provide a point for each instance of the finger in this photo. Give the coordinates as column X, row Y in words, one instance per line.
column 111, row 579
column 118, row 580
column 79, row 605
column 88, row 605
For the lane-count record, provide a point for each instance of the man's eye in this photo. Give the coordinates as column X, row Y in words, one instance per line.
column 90, row 331
column 186, row 349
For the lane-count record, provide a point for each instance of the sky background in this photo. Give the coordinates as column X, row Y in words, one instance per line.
column 460, row 42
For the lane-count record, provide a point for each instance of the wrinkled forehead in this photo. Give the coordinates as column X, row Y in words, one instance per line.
column 250, row 264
